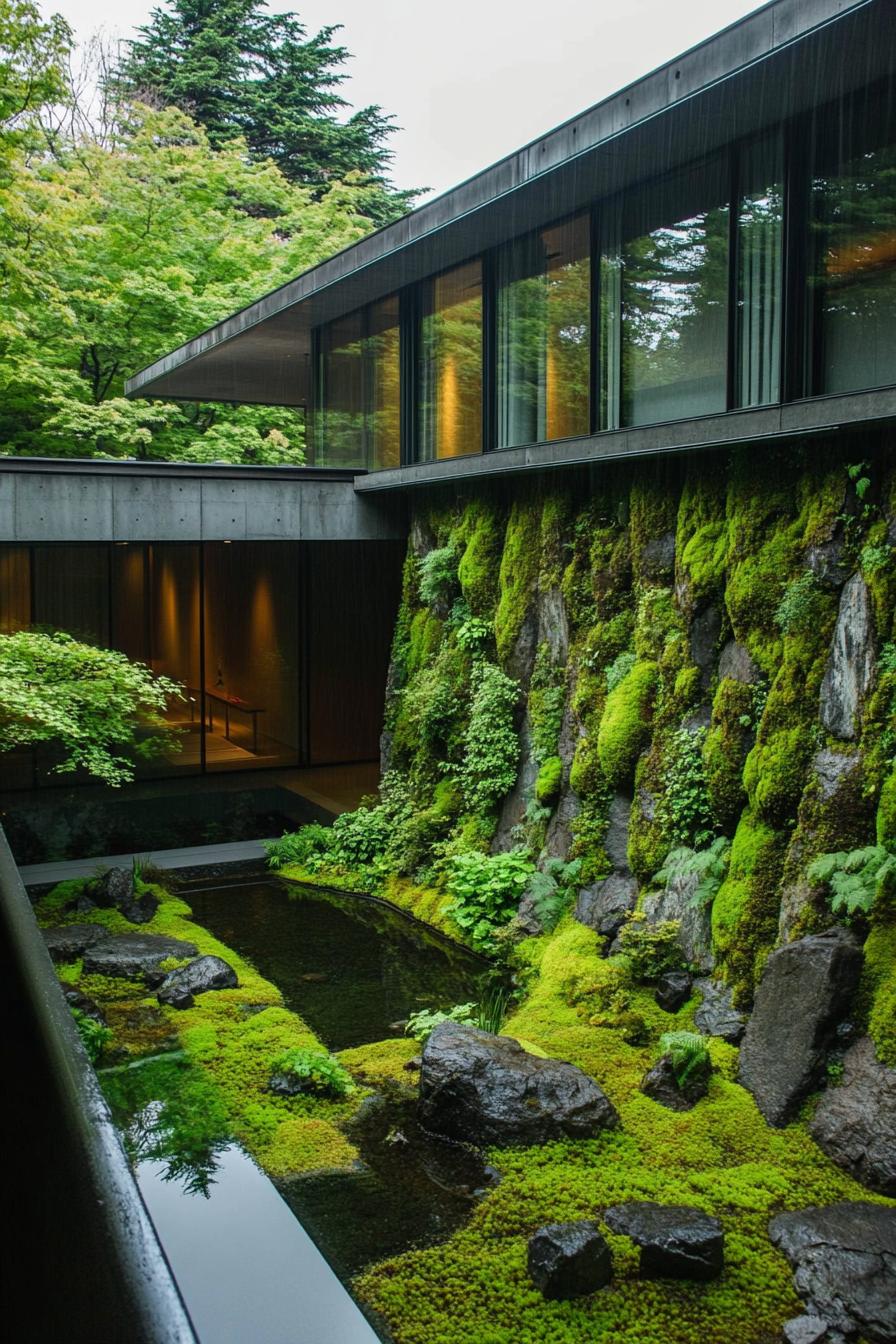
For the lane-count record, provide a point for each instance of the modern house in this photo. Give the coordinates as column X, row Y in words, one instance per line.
column 704, row 259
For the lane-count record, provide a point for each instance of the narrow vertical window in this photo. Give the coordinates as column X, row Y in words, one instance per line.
column 674, row 297
column 383, row 385
column 853, row 278
column 339, row 401
column 449, row 373
column 760, row 228
column 544, row 306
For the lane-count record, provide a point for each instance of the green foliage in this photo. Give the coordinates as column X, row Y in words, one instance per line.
column 619, row 669
column 552, row 889
column 485, row 890
column 687, row 1053
column 472, row 633
column 745, row 909
column 438, row 578
column 856, row 878
column 101, row 709
column 684, row 812
column 625, row 725
column 360, row 837
column 319, row 1071
column 306, row 847
column 550, row 777
column 547, row 698
column 94, row 1035
column 491, row 746
column 874, row 558
column 801, row 606
column 423, row 1023
column 709, row 866
column 651, row 949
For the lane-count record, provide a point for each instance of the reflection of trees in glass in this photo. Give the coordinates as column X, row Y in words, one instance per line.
column 358, row 389
column 855, row 269
column 450, row 364
column 674, row 314
column 543, row 335
column 384, row 397
column 760, row 217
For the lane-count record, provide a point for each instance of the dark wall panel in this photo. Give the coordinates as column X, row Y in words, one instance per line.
column 353, row 592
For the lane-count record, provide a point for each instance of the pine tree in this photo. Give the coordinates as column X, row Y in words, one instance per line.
column 239, row 70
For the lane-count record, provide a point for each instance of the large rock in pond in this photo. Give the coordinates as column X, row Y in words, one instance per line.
column 855, row 1123
column 129, row 956
column 805, row 991
column 115, row 888
column 197, row 977
column 844, row 1263
column 717, row 1015
column 569, row 1259
column 485, row 1089
column 66, row 942
column 677, row 1242
column 851, row 663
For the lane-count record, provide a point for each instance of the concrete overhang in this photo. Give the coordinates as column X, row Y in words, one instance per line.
column 66, row 500
column 773, row 64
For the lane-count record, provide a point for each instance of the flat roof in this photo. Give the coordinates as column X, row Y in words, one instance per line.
column 755, row 73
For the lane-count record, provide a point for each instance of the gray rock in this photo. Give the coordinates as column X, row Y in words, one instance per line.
column 855, row 1123
column 806, row 1330
column 616, row 838
column 736, row 663
column 559, row 835
column 487, row 1089
column 677, row 1242
column 115, row 888
column 658, row 557
column 805, row 991
column 647, row 803
column 197, row 977
column 706, row 628
column 717, row 1015
column 851, row 663
column 553, row 626
column 513, row 808
column 844, row 1262
column 604, row 905
column 568, row 1260
column 833, row 770
column 673, row 990
column 130, row 955
column 660, row 1085
column 66, row 942
column 677, row 902
column 75, row 999
column 698, row 721
column 826, row 562
column 290, row 1084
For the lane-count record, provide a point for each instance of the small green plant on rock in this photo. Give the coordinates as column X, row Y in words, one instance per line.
column 709, row 866
column 438, row 577
column 800, row 607
column 551, row 889
column 318, row 1071
column 687, row 1054
column 95, row 1036
column 684, row 812
column 422, row 1024
column 856, row 878
column 651, row 949
column 491, row 745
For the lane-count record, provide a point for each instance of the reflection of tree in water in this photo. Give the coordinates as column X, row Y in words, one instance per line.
column 168, row 1114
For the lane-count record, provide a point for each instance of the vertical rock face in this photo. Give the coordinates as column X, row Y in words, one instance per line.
column 677, row 902
column 850, row 667
column 855, row 1123
column 806, row 989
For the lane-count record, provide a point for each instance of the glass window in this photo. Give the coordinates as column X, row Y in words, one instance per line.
column 382, row 349
column 339, row 403
column 449, row 375
column 665, row 310
column 760, row 229
column 544, row 305
column 853, row 284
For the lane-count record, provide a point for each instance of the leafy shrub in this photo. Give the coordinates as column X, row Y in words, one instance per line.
column 306, row 847
column 550, row 777
column 95, row 1036
column 875, row 558
column 800, row 606
column 485, row 890
column 421, row 1025
column 687, row 1053
column 651, row 949
column 491, row 745
column 708, row 865
column 685, row 814
column 619, row 669
column 360, row 837
column 320, row 1071
column 855, row 878
column 438, row 577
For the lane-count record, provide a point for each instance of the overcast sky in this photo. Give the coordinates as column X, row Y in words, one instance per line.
column 472, row 80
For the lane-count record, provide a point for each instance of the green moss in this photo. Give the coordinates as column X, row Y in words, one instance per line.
column 878, row 990
column 424, row 638
column 550, row 777
column 384, row 1063
column 657, row 621
column 480, row 561
column 886, row 810
column 724, row 751
column 518, row 574
column 745, row 909
column 701, row 535
column 653, row 507
column 625, row 725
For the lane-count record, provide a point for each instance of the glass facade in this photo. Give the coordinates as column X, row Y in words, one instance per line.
column 544, row 334
column 852, row 283
column 764, row 273
column 449, row 364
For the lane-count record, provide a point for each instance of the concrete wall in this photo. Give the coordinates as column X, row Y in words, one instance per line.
column 45, row 500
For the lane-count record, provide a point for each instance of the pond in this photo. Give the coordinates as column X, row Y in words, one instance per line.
column 256, row 1258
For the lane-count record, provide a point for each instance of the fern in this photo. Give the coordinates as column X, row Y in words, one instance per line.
column 709, row 865
column 687, row 1054
column 854, row 878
